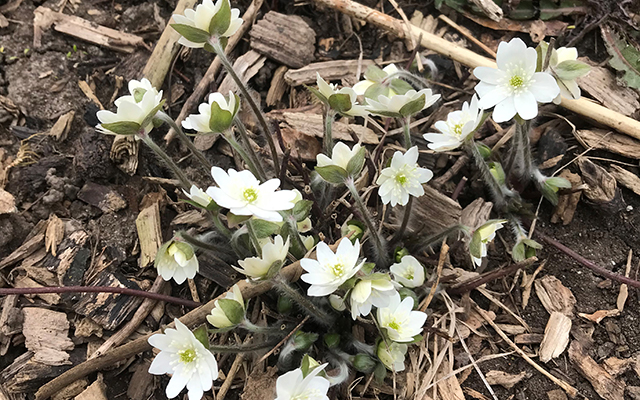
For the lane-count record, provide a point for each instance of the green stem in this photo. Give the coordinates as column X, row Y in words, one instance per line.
column 245, row 348
column 217, row 48
column 523, row 130
column 420, row 243
column 485, row 173
column 254, row 238
column 246, row 324
column 297, row 246
column 406, row 127
column 184, row 181
column 327, row 139
column 379, row 243
column 185, row 139
column 215, row 216
column 405, row 221
column 204, row 245
column 250, row 150
column 302, row 301
column 228, row 136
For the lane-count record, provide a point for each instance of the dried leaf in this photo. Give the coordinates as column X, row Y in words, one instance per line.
column 624, row 56
column 504, row 379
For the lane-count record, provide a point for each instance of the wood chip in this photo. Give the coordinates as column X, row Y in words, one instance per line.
column 433, row 206
column 60, row 129
column 124, row 153
column 554, row 296
column 54, row 234
column 604, row 384
column 600, row 315
column 609, row 140
column 626, row 178
column 149, row 234
column 529, row 338
column 7, row 203
column 46, row 334
column 287, row 39
column 10, row 322
column 26, row 282
column 601, row 83
column 567, row 203
column 33, row 243
column 329, row 70
column 616, row 366
column 556, row 336
column 278, row 86
column 141, row 385
column 504, row 379
column 601, row 185
column 537, row 29
column 476, row 213
column 96, row 391
column 103, row 197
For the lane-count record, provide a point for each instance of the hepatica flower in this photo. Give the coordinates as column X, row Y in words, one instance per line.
column 381, row 82
column 228, row 311
column 331, row 270
column 408, row 272
column 135, row 111
column 400, row 321
column 198, row 196
column 566, row 68
column 392, row 356
column 208, row 19
column 403, row 178
column 481, row 237
column 458, row 127
column 272, row 252
column 176, row 260
column 243, row 194
column 514, row 87
column 183, row 356
column 215, row 116
column 375, row 290
column 340, row 156
column 344, row 101
column 295, row 386
column 402, row 105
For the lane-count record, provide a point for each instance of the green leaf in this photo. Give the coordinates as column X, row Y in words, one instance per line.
column 138, row 94
column 518, row 252
column 220, row 119
column 161, row 255
column 302, row 341
column 385, row 113
column 413, row 107
column 308, row 364
column 354, row 166
column 498, row 173
column 376, row 90
column 317, row 93
column 235, row 220
column 364, row 363
column 380, row 372
column 232, row 309
column 122, row 127
column 559, row 182
column 285, row 305
column 406, row 292
column 375, row 74
column 302, row 209
column 201, row 333
column 475, row 246
column 149, row 118
column 332, row 340
column 485, row 151
column 192, row 33
column 367, row 268
column 399, row 253
column 184, row 248
column 264, row 228
column 569, row 70
column 341, row 102
column 625, row 57
column 332, row 174
column 532, row 243
column 221, row 21
column 399, row 86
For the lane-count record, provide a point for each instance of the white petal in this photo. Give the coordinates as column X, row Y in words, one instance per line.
column 526, row 105
column 544, row 88
column 504, row 111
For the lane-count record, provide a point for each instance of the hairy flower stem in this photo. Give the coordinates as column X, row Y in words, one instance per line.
column 522, row 131
column 379, row 243
column 421, row 243
column 297, row 246
column 217, row 48
column 327, row 139
column 228, row 136
column 244, row 348
column 246, row 324
column 184, row 181
column 405, row 221
column 303, row 302
column 215, row 217
column 250, row 150
column 254, row 237
column 414, row 80
column 406, row 128
column 204, row 245
column 497, row 191
column 185, row 139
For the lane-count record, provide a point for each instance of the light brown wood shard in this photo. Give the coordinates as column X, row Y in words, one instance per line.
column 96, row 391
column 149, row 233
column 278, row 86
column 60, row 129
column 556, row 336
column 33, row 243
column 7, row 202
column 46, row 334
column 439, row 210
column 567, row 203
column 601, row 83
column 54, row 234
column 504, row 379
column 602, row 187
column 604, row 384
column 626, row 178
column 554, row 296
column 609, row 140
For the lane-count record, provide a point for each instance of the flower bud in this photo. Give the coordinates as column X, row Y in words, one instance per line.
column 302, row 341
column 392, row 355
column 364, row 363
column 228, row 311
column 176, row 260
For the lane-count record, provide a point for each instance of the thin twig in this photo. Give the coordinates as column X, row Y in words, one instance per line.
column 283, row 341
column 443, row 256
column 473, row 283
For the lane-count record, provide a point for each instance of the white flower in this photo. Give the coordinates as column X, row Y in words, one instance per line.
column 569, row 88
column 400, row 322
column 243, row 194
column 392, row 356
column 227, row 314
column 205, row 122
column 183, row 356
column 272, row 252
column 294, row 386
column 201, row 18
column 375, row 290
column 409, row 272
column 514, row 87
column 337, row 302
column 331, row 270
column 457, row 128
column 402, row 178
column 481, row 237
column 361, row 87
column 177, row 260
column 198, row 196
column 392, row 106
column 136, row 107
column 329, row 89
column 340, row 156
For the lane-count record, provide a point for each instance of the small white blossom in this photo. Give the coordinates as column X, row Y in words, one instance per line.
column 223, row 316
column 201, row 18
column 198, row 196
column 331, row 270
column 408, row 272
column 176, row 260
column 392, row 355
column 400, row 322
column 457, row 128
column 375, row 290
column 569, row 88
column 340, row 156
column 183, row 356
column 514, row 87
column 361, row 87
column 243, row 194
column 294, row 386
column 391, row 106
column 205, row 122
column 143, row 100
column 329, row 89
column 272, row 252
column 403, row 178
column 483, row 235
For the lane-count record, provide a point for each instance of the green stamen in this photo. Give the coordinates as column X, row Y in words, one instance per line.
column 187, row 356
column 250, row 195
column 516, row 81
column 394, row 325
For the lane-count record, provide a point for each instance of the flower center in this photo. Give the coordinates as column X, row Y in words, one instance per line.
column 187, row 356
column 338, row 269
column 250, row 195
column 457, row 128
column 401, row 178
column 516, row 82
column 394, row 325
column 408, row 274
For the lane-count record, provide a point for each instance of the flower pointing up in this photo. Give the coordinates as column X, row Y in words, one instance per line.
column 272, row 252
column 514, row 87
column 331, row 270
column 176, row 260
column 403, row 178
column 399, row 319
column 208, row 19
column 295, row 386
column 344, row 101
column 215, row 116
column 458, row 127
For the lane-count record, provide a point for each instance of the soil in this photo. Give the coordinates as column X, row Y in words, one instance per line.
column 43, row 84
